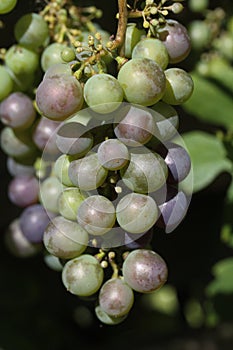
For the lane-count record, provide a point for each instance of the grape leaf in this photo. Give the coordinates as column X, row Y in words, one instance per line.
column 208, row 157
column 210, row 103
column 223, row 281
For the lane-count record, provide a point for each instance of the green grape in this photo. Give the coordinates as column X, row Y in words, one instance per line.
column 198, row 5
column 106, row 319
column 50, row 190
column 146, row 172
column 116, row 298
column 136, row 213
column 153, row 49
column 68, row 54
column 21, row 60
column 96, row 214
column 52, row 55
column 64, row 238
column 113, row 154
column 7, row 6
column 103, row 93
column 83, row 276
column 200, row 34
column 132, row 36
column 61, row 167
column 17, row 144
column 87, row 173
column 144, row 270
column 53, row 262
column 58, row 69
column 142, row 80
column 7, row 83
column 179, row 86
column 69, row 202
column 31, row 31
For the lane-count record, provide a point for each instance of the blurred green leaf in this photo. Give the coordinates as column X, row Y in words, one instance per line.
column 208, row 157
column 210, row 103
column 223, row 282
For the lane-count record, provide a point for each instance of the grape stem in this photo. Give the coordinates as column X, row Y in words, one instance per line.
column 111, row 257
column 119, row 40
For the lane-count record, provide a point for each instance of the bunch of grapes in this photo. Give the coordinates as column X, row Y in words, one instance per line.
column 91, row 135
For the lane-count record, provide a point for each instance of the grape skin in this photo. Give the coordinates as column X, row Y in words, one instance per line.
column 7, row 83
column 64, row 238
column 136, row 213
column 52, row 55
column 113, row 154
column 142, row 80
column 144, row 270
column 179, row 86
column 61, row 167
column 69, row 201
column 23, row 190
column 116, row 298
column 31, row 31
column 17, row 169
column 17, row 111
column 96, row 214
column 21, row 60
column 106, row 319
column 103, row 93
column 44, row 135
column 83, row 276
column 59, row 97
column 50, row 190
column 7, row 6
column 178, row 162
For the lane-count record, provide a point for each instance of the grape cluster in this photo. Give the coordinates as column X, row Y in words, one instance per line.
column 96, row 160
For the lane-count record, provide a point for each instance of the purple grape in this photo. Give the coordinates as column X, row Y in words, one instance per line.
column 144, row 270
column 33, row 222
column 17, row 111
column 176, row 39
column 178, row 162
column 23, row 190
column 59, row 97
column 18, row 169
column 173, row 210
column 44, row 135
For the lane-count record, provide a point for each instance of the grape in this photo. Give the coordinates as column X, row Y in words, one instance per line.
column 113, row 154
column 33, row 221
column 21, row 60
column 44, row 135
column 61, row 167
column 176, row 39
column 132, row 36
column 57, row 69
column 144, row 270
column 73, row 139
column 68, row 54
column 31, row 31
column 173, row 210
column 52, row 55
column 146, row 172
column 142, row 80
column 17, row 169
column 167, row 121
column 200, row 34
column 116, row 298
column 23, row 190
column 96, row 214
column 59, row 97
column 87, row 173
column 50, row 190
column 7, row 6
column 106, row 319
column 198, row 5
column 17, row 144
column 83, row 276
column 135, row 126
column 103, row 93
column 153, row 49
column 178, row 162
column 136, row 213
column 69, row 202
column 64, row 238
column 17, row 111
column 17, row 243
column 53, row 262
column 179, row 86
column 7, row 83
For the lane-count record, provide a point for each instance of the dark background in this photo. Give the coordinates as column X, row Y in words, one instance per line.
column 37, row 313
